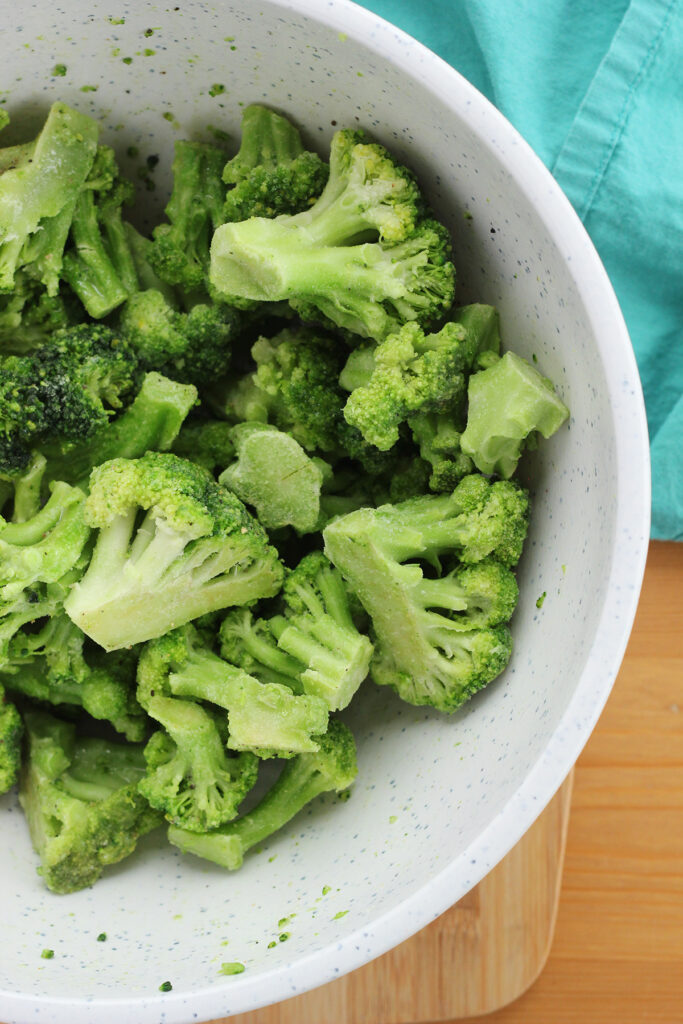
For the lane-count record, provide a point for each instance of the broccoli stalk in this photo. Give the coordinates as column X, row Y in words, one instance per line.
column 426, row 648
column 195, row 551
column 250, row 644
column 332, row 768
column 361, row 257
column 40, row 183
column 80, row 796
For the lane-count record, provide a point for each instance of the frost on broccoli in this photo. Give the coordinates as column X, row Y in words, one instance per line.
column 510, row 403
column 443, row 635
column 80, row 796
column 40, row 183
column 11, row 732
column 195, row 550
column 364, row 256
column 331, row 769
column 271, row 173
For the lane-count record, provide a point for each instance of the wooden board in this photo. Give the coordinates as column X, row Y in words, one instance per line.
column 478, row 956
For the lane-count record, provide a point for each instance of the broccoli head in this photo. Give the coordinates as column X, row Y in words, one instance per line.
column 333, row 768
column 363, row 257
column 195, row 550
column 80, row 796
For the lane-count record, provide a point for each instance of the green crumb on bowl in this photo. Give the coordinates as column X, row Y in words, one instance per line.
column 272, row 945
column 127, row 60
column 132, row 152
column 102, row 937
column 326, row 889
column 116, row 21
column 392, row 819
column 541, row 599
column 48, row 954
column 165, row 986
column 342, row 37
column 149, row 32
column 341, row 913
column 216, row 89
column 283, row 936
column 59, row 70
column 564, row 569
column 232, row 968
column 89, row 88
column 148, row 53
column 467, row 215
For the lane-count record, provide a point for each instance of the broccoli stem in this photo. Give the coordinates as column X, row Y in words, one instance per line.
column 89, row 270
column 27, row 490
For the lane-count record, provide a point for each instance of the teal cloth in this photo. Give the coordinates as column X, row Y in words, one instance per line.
column 596, row 87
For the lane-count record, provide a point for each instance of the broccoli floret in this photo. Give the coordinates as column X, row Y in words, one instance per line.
column 11, row 732
column 271, row 173
column 67, row 388
column 150, row 423
column 250, row 644
column 180, row 250
column 206, row 442
column 332, row 768
column 438, row 438
column 29, row 315
column 40, row 183
column 363, row 256
column 99, row 267
column 80, row 796
column 58, row 665
column 194, row 346
column 275, row 475
column 196, row 550
column 318, row 631
column 509, row 403
column 438, row 639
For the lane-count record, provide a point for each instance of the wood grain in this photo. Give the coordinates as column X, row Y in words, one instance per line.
column 617, row 956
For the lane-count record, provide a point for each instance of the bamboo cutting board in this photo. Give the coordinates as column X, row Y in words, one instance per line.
column 477, row 957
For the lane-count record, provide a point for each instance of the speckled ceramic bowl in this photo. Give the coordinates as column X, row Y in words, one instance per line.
column 438, row 800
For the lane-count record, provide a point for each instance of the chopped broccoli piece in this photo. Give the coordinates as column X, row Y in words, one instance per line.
column 250, row 644
column 275, row 475
column 508, row 402
column 24, row 491
column 180, row 249
column 271, row 173
column 80, row 796
column 332, row 768
column 195, row 551
column 438, row 437
column 40, row 183
column 363, row 256
column 11, row 732
column 438, row 640
column 206, row 442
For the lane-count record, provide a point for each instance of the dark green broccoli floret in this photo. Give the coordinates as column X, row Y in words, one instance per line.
column 332, row 768
column 11, row 732
column 271, row 173
column 196, row 550
column 193, row 346
column 438, row 438
column 180, row 250
column 273, row 473
column 40, row 183
column 441, row 638
column 509, row 403
column 29, row 314
column 363, row 256
column 80, row 796
column 150, row 423
column 67, row 389
column 99, row 267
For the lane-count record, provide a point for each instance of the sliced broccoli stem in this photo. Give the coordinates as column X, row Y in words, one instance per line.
column 89, row 270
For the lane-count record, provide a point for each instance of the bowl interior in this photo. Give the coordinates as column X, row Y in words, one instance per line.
column 431, row 809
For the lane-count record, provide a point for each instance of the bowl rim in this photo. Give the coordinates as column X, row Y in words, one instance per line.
column 631, row 537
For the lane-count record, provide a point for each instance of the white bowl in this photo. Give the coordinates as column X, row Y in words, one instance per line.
column 439, row 800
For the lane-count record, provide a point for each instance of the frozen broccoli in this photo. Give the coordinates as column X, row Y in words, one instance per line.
column 438, row 638
column 332, row 768
column 273, row 473
column 40, row 183
column 80, row 796
column 11, row 732
column 271, row 173
column 208, row 443
column 363, row 256
column 195, row 550
column 438, row 438
column 509, row 404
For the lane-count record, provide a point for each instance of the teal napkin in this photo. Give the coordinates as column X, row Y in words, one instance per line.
column 596, row 87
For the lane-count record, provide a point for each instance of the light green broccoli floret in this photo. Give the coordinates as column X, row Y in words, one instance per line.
column 362, row 257
column 332, row 768
column 439, row 638
column 271, row 173
column 11, row 733
column 509, row 403
column 274, row 474
column 438, row 438
column 196, row 550
column 80, row 796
